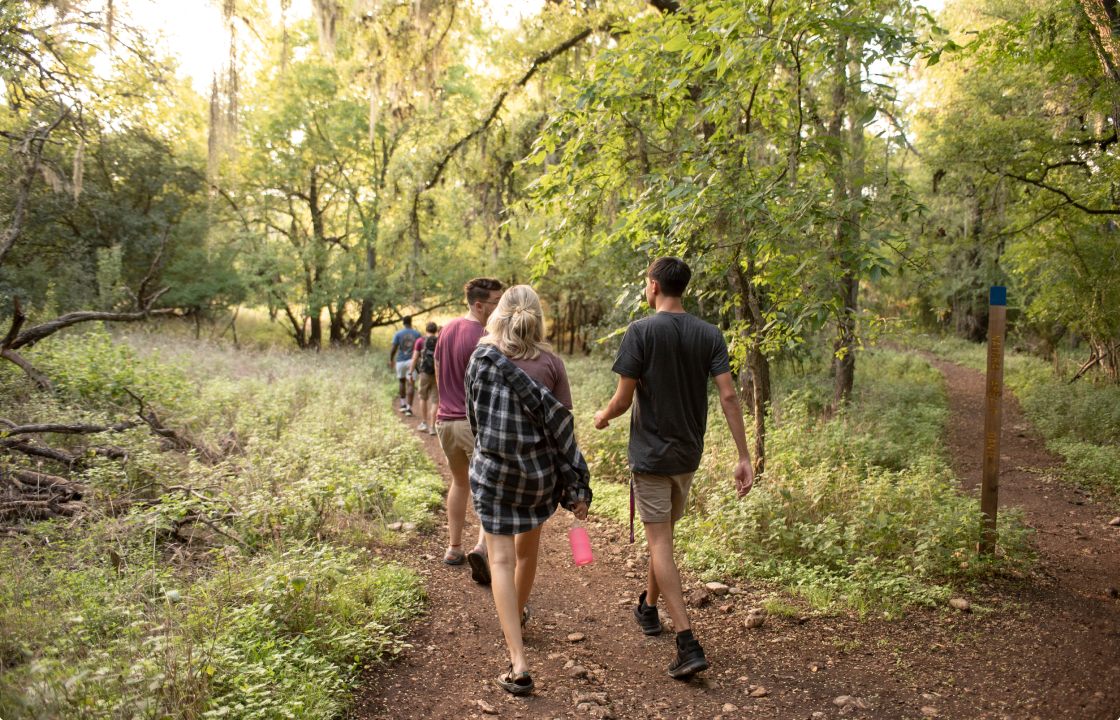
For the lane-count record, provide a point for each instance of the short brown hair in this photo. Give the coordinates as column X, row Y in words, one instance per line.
column 671, row 274
column 431, row 327
column 479, row 289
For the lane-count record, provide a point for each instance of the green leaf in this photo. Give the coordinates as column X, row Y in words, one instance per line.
column 679, row 42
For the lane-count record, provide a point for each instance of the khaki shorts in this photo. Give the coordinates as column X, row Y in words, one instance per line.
column 661, row 498
column 457, row 441
column 427, row 387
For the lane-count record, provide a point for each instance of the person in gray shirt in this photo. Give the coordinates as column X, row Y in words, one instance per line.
column 665, row 361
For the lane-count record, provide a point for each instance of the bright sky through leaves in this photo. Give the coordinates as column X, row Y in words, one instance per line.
column 194, row 31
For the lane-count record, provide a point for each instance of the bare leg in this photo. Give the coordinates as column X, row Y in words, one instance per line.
column 526, row 545
column 503, row 561
column 402, row 386
column 433, row 406
column 411, row 391
column 422, row 404
column 664, row 580
column 457, row 496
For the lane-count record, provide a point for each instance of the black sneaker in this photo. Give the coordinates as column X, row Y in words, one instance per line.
column 690, row 659
column 647, row 616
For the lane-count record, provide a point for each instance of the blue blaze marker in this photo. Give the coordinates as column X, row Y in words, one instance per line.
column 997, row 295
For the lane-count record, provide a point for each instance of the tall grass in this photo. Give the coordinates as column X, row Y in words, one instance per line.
column 1080, row 422
column 117, row 616
column 860, row 509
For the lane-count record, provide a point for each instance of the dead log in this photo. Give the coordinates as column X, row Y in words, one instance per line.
column 29, row 482
column 59, row 429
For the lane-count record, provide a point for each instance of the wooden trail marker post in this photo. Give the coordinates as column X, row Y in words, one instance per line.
column 993, row 416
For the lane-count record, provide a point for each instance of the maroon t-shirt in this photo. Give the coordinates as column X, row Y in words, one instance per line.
column 548, row 370
column 457, row 341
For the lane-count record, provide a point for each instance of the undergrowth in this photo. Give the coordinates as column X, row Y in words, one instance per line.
column 1080, row 422
column 269, row 612
column 860, row 509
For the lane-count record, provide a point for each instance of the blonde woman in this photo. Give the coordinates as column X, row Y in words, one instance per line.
column 525, row 461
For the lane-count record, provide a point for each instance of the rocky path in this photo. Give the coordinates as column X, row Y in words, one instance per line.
column 1042, row 647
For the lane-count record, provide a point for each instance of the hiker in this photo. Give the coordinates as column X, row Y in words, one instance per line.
column 457, row 341
column 424, row 367
column 404, row 340
column 667, row 358
column 526, row 461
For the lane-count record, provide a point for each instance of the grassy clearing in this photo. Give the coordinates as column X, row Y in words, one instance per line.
column 143, row 613
column 1080, row 422
column 860, row 510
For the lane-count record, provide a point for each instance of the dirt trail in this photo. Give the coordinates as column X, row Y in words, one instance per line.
column 1041, row 647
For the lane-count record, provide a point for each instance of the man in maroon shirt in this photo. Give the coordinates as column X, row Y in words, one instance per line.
column 457, row 341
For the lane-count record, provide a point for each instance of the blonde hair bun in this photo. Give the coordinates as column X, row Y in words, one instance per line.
column 517, row 325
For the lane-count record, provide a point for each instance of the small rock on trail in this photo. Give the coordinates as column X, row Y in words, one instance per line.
column 716, row 588
column 960, row 604
column 576, row 637
column 929, row 712
column 848, row 701
column 698, row 598
column 1114, row 522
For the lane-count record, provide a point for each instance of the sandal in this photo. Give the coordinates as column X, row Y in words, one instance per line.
column 480, row 565
column 454, row 557
column 516, row 683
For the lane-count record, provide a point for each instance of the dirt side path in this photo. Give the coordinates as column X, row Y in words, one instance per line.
column 1038, row 648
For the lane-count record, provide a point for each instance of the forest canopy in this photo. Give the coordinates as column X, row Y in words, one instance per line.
column 828, row 169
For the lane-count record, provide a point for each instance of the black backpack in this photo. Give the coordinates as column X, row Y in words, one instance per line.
column 428, row 359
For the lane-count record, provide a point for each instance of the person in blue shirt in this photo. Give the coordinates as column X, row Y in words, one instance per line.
column 400, row 357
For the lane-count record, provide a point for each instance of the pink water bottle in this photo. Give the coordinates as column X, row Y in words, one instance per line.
column 581, row 545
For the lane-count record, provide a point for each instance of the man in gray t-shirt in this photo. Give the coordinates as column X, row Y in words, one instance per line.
column 666, row 359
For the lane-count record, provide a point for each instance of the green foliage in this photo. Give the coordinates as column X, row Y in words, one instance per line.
column 303, row 626
column 860, row 509
column 115, row 618
column 90, row 368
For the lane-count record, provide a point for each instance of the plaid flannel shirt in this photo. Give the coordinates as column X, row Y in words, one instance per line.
column 525, row 459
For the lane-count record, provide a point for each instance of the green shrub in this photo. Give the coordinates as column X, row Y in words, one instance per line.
column 89, row 367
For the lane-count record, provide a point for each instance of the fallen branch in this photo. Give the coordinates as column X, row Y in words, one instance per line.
column 17, row 337
column 1094, row 359
column 173, row 437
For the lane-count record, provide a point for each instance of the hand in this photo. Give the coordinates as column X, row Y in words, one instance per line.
column 744, row 477
column 580, row 511
column 601, row 422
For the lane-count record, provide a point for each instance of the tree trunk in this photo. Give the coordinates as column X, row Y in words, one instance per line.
column 316, row 339
column 1109, row 353
column 749, row 309
column 365, row 319
column 336, row 323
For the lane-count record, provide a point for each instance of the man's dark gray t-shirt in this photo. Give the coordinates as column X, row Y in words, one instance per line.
column 671, row 356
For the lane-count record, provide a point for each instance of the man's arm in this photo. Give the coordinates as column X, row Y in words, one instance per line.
column 619, row 404
column 729, row 401
column 393, row 356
